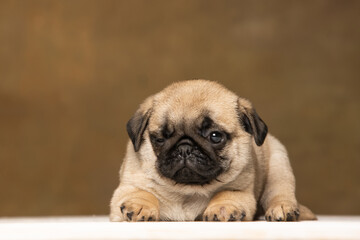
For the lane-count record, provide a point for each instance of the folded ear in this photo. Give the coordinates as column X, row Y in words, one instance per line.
column 251, row 122
column 137, row 124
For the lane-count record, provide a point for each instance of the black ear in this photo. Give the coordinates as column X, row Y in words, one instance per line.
column 253, row 124
column 136, row 127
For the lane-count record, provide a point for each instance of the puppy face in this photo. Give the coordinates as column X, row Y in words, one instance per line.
column 191, row 152
column 198, row 131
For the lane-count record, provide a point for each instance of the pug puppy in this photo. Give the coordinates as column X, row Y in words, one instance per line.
column 200, row 152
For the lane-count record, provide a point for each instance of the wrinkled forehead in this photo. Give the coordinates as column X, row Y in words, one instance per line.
column 190, row 111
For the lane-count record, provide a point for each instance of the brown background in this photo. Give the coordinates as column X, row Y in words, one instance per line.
column 73, row 72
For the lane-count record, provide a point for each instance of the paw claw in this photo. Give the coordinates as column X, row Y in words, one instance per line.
column 243, row 214
column 122, row 208
column 297, row 213
column 130, row 215
column 232, row 218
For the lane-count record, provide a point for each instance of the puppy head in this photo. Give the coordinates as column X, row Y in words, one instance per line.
column 198, row 131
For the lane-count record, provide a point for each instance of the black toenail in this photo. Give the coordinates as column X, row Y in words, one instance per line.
column 122, row 208
column 129, row 215
column 243, row 214
column 232, row 218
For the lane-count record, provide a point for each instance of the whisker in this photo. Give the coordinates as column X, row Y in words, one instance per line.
column 218, row 180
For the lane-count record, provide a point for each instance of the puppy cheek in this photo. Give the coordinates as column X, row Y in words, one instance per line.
column 224, row 159
column 147, row 153
column 225, row 165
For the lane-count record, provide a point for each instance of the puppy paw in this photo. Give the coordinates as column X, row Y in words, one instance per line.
column 138, row 210
column 282, row 211
column 224, row 213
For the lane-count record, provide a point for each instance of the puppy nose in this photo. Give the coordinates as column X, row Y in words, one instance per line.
column 184, row 150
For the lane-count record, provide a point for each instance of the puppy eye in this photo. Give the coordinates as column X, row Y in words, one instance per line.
column 157, row 140
column 160, row 140
column 216, row 137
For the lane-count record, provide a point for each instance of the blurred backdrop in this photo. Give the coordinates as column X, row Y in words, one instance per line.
column 73, row 72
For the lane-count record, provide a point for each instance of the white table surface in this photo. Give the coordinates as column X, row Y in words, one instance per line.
column 99, row 227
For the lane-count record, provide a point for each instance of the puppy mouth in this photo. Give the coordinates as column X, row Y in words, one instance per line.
column 193, row 169
column 188, row 176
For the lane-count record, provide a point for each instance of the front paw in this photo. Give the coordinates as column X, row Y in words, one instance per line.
column 137, row 210
column 282, row 211
column 224, row 212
